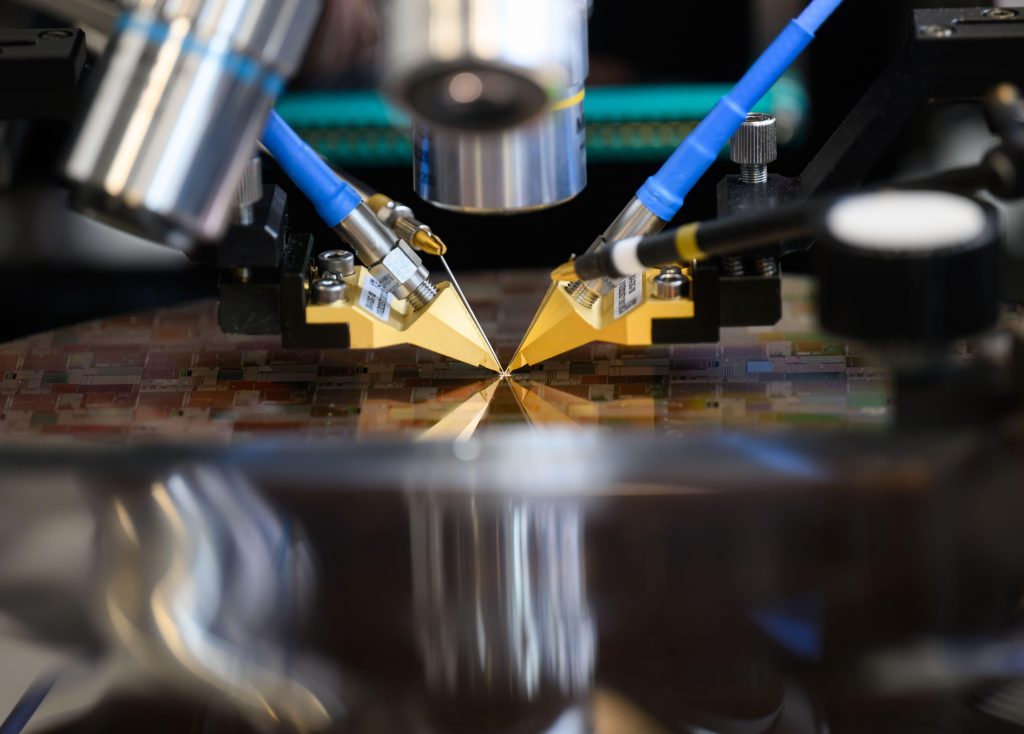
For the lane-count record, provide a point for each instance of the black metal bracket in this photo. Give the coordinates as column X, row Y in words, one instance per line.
column 277, row 305
column 295, row 332
column 753, row 298
column 40, row 72
column 952, row 54
column 264, row 286
column 704, row 326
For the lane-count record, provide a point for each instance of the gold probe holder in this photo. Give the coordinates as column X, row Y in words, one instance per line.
column 444, row 326
column 563, row 323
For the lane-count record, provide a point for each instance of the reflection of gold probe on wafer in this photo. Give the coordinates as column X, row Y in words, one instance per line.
column 624, row 316
column 376, row 319
column 544, row 405
column 451, row 415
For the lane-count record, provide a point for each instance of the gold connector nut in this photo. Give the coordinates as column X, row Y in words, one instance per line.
column 423, row 238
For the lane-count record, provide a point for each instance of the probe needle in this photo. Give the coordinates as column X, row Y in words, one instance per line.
column 469, row 307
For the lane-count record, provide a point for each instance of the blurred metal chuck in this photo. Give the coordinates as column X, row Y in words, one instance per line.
column 205, row 585
column 500, row 598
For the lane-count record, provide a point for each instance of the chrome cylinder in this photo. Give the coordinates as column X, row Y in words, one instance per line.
column 391, row 261
column 179, row 104
column 540, row 164
column 500, row 595
column 495, row 89
column 635, row 220
column 483, row 64
column 203, row 584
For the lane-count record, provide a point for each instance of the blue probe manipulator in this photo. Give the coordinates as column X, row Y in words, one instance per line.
column 391, row 261
column 662, row 195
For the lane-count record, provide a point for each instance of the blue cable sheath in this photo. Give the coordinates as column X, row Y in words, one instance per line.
column 26, row 707
column 333, row 198
column 815, row 14
column 664, row 192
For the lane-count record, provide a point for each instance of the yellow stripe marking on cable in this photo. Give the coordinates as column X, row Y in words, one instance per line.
column 686, row 243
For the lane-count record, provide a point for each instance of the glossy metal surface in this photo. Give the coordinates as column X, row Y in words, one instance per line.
column 539, row 164
column 178, row 105
column 477, row 64
column 730, row 583
column 500, row 600
column 394, row 264
column 495, row 88
column 746, row 546
column 204, row 583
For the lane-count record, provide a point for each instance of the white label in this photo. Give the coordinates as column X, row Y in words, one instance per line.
column 399, row 265
column 627, row 295
column 375, row 299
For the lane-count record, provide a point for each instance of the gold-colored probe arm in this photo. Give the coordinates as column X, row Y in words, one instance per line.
column 563, row 324
column 444, row 326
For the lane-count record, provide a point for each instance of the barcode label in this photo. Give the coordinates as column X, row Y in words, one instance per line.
column 375, row 299
column 627, row 295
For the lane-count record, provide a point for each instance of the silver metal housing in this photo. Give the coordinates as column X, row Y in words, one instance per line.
column 177, row 110
column 495, row 89
column 391, row 261
column 635, row 220
column 483, row 64
column 250, row 192
column 500, row 597
column 534, row 166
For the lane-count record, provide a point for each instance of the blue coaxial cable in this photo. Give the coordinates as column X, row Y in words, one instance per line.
column 27, row 706
column 333, row 197
column 664, row 192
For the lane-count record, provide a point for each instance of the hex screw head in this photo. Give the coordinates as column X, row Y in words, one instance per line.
column 329, row 289
column 341, row 262
column 670, row 284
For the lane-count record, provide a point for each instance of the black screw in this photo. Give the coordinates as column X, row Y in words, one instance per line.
column 999, row 13
column 55, row 35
